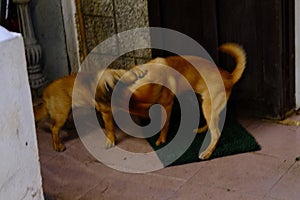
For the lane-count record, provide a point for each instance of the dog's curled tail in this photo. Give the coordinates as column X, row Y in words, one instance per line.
column 40, row 112
column 238, row 53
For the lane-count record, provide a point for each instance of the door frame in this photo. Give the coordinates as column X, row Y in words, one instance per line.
column 297, row 52
column 69, row 18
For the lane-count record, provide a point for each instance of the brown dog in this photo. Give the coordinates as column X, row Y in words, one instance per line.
column 214, row 94
column 57, row 96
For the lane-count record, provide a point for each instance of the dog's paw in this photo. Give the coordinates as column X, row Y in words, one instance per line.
column 133, row 75
column 201, row 130
column 59, row 147
column 205, row 155
column 109, row 144
column 139, row 72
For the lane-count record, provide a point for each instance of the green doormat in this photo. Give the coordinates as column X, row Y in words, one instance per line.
column 234, row 139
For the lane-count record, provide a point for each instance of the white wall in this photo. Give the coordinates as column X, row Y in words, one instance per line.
column 297, row 49
column 20, row 176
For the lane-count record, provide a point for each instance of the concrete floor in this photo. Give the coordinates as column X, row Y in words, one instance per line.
column 269, row 174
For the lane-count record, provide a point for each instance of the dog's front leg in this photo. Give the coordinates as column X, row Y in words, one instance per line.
column 164, row 131
column 109, row 129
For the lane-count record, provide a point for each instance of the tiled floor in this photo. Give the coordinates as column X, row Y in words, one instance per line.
column 269, row 174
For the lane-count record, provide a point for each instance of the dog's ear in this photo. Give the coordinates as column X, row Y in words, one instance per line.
column 131, row 76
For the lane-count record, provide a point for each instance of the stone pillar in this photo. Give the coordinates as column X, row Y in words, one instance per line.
column 32, row 48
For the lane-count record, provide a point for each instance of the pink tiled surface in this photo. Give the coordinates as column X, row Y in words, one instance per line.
column 269, row 174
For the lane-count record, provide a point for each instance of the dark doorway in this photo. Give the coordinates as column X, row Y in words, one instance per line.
column 266, row 31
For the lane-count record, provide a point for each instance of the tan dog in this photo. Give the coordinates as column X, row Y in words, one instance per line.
column 57, row 96
column 213, row 99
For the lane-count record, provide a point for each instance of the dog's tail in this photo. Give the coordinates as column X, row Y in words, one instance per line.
column 238, row 53
column 40, row 112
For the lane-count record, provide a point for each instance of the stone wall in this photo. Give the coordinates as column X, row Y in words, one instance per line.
column 105, row 18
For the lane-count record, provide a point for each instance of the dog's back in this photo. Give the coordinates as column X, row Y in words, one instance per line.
column 57, row 97
column 191, row 66
column 234, row 50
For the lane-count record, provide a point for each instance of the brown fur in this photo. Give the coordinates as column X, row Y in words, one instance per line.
column 213, row 100
column 57, row 97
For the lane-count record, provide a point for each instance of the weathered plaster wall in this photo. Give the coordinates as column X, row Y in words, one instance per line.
column 47, row 19
column 20, row 176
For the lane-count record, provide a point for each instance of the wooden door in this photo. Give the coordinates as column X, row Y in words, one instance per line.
column 264, row 28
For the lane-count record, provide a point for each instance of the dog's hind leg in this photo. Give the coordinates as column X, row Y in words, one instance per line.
column 59, row 119
column 57, row 144
column 211, row 114
column 204, row 128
